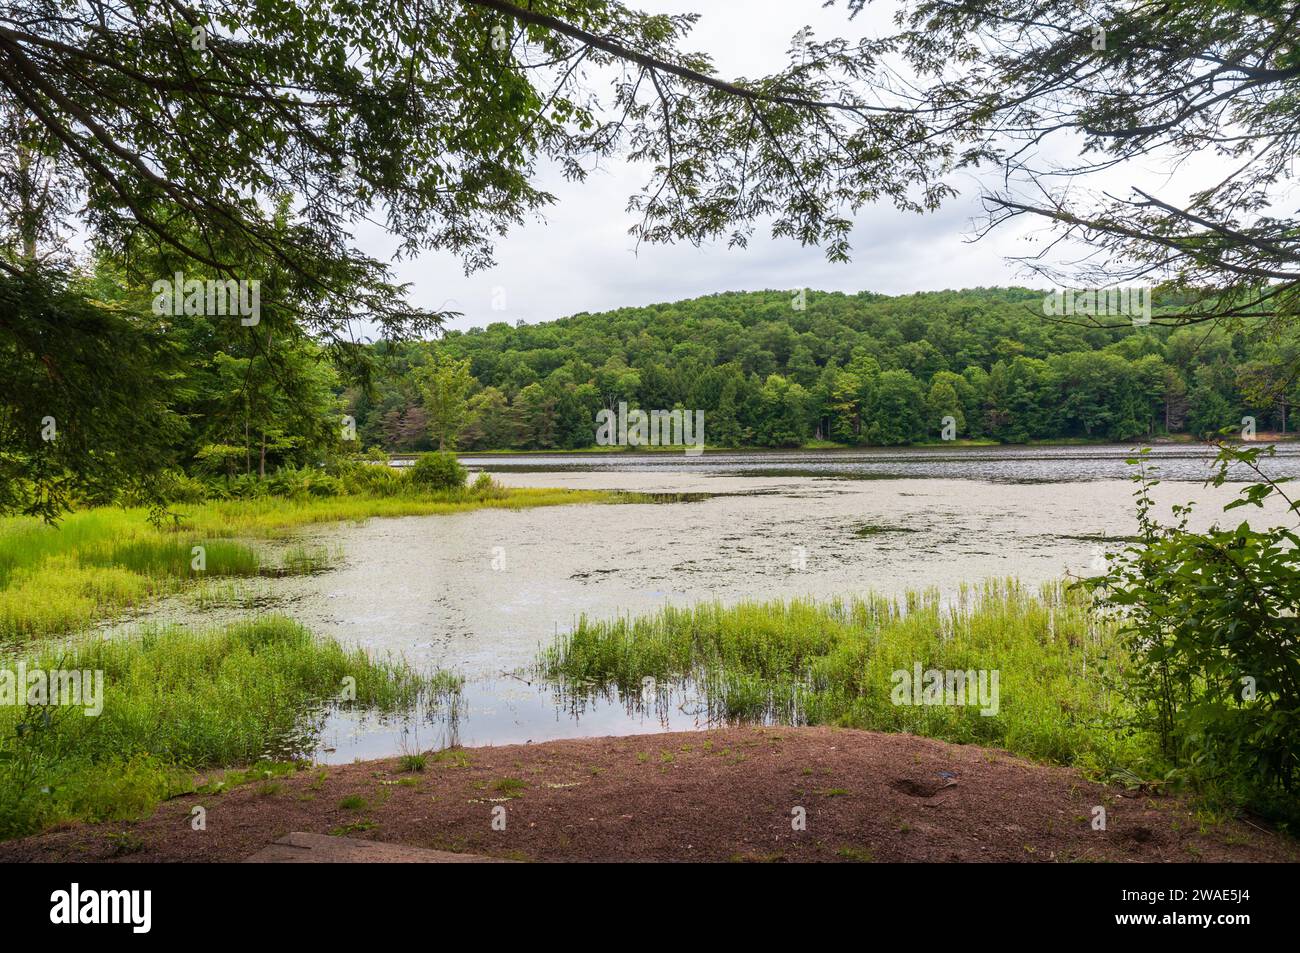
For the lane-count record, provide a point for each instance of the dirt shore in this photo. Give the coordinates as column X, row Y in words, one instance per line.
column 734, row 794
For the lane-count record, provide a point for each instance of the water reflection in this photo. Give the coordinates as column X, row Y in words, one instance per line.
column 513, row 711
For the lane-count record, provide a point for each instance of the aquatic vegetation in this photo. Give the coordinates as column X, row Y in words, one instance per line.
column 174, row 702
column 875, row 529
column 836, row 663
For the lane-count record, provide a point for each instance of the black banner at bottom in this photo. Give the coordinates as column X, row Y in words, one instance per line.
column 140, row 903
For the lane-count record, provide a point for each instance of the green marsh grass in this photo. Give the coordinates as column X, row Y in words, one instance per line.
column 273, row 516
column 176, row 702
column 57, row 580
column 809, row 662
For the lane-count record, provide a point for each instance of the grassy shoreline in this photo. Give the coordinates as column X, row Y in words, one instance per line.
column 99, row 562
column 174, row 702
column 832, row 663
column 831, row 446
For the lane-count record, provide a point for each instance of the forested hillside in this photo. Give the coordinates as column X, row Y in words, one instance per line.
column 853, row 369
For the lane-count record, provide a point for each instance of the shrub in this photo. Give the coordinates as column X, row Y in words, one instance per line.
column 486, row 488
column 247, row 486
column 181, row 488
column 322, row 484
column 373, row 479
column 1208, row 619
column 438, row 471
column 288, row 482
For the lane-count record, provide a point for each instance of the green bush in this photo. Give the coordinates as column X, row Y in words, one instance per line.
column 375, row 478
column 438, row 471
column 322, row 484
column 182, row 488
column 1209, row 621
column 486, row 488
column 248, row 486
column 288, row 482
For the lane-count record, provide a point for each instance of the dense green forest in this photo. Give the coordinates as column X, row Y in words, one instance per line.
column 863, row 369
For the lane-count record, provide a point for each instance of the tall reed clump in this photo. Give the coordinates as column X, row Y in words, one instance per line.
column 175, row 701
column 835, row 662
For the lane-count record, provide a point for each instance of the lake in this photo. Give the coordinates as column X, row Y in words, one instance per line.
column 479, row 592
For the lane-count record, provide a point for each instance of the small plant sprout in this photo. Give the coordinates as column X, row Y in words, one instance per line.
column 412, row 762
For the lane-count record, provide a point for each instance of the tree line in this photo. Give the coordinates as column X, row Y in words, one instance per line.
column 776, row 369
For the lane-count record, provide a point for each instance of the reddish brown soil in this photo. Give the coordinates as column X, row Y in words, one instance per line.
column 720, row 795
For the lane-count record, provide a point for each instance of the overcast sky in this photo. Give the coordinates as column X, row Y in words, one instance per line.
column 581, row 257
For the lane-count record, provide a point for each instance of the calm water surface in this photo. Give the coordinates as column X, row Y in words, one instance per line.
column 480, row 592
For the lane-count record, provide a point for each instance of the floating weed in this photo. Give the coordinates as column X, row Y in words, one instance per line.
column 877, row 529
